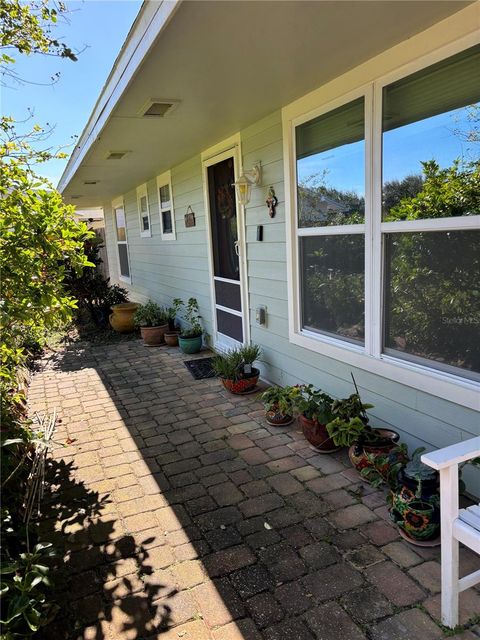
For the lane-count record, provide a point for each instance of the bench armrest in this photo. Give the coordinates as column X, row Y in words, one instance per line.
column 454, row 454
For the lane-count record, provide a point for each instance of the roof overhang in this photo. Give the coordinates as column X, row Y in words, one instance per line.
column 224, row 65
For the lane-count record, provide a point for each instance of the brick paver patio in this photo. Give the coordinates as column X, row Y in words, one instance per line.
column 184, row 516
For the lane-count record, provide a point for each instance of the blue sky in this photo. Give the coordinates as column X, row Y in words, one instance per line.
column 101, row 26
column 439, row 137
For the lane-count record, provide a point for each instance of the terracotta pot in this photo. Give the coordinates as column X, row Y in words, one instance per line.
column 171, row 338
column 243, row 385
column 153, row 336
column 317, row 435
column 359, row 452
column 121, row 318
column 276, row 419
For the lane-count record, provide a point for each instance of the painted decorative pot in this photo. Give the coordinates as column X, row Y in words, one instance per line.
column 317, row 435
column 171, row 338
column 190, row 345
column 277, row 419
column 242, row 385
column 121, row 318
column 416, row 507
column 154, row 336
column 361, row 453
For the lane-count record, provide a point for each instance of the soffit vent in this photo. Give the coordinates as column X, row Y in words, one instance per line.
column 158, row 108
column 116, row 155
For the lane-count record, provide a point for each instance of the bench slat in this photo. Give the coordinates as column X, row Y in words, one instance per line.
column 470, row 517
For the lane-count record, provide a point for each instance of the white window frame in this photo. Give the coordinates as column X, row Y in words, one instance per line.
column 117, row 204
column 458, row 389
column 163, row 180
column 142, row 191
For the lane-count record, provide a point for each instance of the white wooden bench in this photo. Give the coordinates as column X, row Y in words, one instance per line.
column 456, row 525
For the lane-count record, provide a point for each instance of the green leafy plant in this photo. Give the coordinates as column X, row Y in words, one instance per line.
column 345, row 432
column 24, row 585
column 281, row 400
column 384, row 469
column 314, row 404
column 150, row 314
column 173, row 310
column 236, row 363
column 192, row 316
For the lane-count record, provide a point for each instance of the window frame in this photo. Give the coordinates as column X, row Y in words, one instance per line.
column 117, row 204
column 371, row 356
column 161, row 181
column 142, row 191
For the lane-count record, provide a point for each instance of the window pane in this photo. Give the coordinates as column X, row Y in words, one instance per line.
column 431, row 141
column 123, row 259
column 165, row 196
column 331, row 168
column 145, row 223
column 143, row 204
column 120, row 222
column 167, row 222
column 433, row 297
column 333, row 289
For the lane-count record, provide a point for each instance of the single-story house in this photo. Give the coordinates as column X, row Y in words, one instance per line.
column 221, row 128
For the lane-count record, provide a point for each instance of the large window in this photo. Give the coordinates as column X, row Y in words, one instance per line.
column 387, row 225
column 431, row 175
column 122, row 246
column 143, row 211
column 165, row 206
column 331, row 211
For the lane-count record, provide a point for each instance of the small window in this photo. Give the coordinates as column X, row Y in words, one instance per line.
column 143, row 211
column 122, row 246
column 165, row 205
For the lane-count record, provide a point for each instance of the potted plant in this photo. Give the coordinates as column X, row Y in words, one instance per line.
column 279, row 403
column 235, row 369
column 190, row 340
column 171, row 336
column 350, row 427
column 315, row 411
column 416, row 501
column 152, row 320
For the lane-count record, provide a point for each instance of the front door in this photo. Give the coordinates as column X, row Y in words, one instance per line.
column 225, row 233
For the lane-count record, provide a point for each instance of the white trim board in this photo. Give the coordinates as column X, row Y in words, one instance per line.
column 228, row 148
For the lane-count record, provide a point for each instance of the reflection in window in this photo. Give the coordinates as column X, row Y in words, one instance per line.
column 432, row 297
column 331, row 168
column 332, row 275
column 431, row 139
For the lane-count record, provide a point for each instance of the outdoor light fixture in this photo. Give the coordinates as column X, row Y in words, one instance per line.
column 244, row 183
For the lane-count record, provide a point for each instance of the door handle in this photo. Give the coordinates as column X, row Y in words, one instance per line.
column 237, row 251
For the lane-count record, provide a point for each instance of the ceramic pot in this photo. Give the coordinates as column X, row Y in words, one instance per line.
column 416, row 507
column 171, row 338
column 121, row 318
column 242, row 385
column 277, row 419
column 359, row 452
column 190, row 345
column 153, row 336
column 317, row 435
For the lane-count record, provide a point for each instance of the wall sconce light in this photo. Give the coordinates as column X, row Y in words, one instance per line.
column 244, row 183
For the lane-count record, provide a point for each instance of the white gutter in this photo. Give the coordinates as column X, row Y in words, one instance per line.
column 152, row 18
